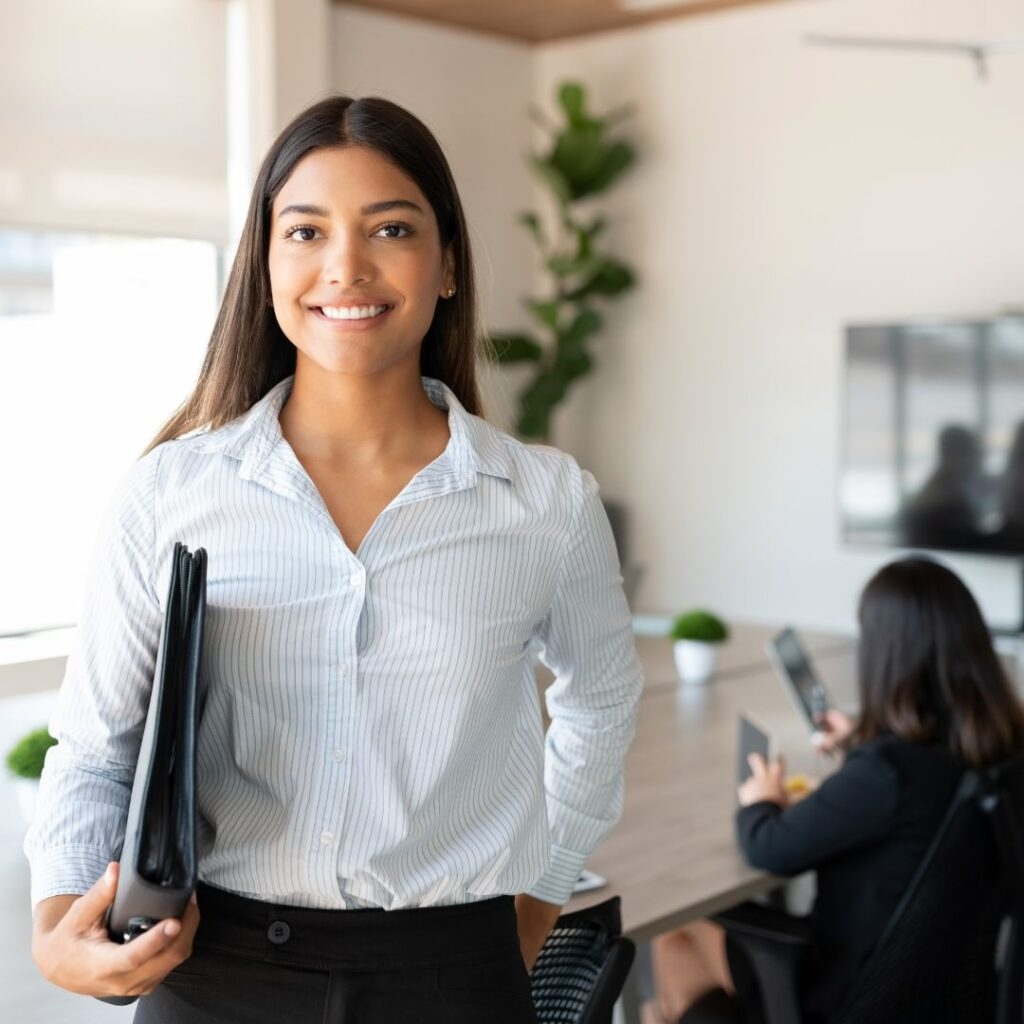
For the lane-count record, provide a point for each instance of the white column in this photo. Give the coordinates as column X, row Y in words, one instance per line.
column 278, row 62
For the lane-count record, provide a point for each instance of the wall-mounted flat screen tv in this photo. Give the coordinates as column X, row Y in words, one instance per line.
column 933, row 445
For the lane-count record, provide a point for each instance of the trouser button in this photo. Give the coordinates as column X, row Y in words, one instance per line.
column 278, row 932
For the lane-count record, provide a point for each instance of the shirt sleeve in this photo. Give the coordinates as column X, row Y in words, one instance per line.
column 587, row 642
column 853, row 808
column 100, row 714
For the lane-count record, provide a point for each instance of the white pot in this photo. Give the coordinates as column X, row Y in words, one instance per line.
column 26, row 790
column 695, row 660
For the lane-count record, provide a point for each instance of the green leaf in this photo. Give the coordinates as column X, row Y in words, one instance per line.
column 614, row 161
column 515, row 348
column 610, row 278
column 553, row 177
column 545, row 312
column 538, row 400
column 571, row 98
column 579, row 155
column 585, row 323
column 563, row 265
column 574, row 361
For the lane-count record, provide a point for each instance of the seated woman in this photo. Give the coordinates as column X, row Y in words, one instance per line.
column 933, row 701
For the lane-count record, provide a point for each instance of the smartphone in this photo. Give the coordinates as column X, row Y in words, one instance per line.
column 799, row 678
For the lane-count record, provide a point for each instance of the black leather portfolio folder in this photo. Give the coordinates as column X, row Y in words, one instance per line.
column 158, row 859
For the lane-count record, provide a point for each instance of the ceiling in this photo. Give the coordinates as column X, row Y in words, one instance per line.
column 542, row 21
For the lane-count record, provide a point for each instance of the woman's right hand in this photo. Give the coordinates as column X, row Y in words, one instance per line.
column 72, row 949
column 833, row 730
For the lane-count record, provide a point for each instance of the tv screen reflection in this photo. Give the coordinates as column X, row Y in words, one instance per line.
column 934, row 436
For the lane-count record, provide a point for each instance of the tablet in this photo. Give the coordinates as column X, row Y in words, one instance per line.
column 799, row 677
column 752, row 740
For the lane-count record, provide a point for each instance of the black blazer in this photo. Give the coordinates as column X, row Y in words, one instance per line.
column 864, row 831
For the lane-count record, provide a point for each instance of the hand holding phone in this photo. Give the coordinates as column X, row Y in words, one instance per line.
column 801, row 681
column 833, row 730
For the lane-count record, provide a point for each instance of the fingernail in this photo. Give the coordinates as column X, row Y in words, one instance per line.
column 171, row 929
column 192, row 899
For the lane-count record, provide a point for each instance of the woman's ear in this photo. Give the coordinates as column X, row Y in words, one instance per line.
column 448, row 275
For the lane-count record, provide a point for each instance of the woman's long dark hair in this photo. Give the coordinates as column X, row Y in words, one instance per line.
column 928, row 671
column 248, row 353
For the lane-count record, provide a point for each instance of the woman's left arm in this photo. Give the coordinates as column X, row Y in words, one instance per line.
column 587, row 642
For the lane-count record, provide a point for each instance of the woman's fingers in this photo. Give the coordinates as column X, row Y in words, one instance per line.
column 158, row 951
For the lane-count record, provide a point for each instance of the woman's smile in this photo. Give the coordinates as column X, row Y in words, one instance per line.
column 351, row 318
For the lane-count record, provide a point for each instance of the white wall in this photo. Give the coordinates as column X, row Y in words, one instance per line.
column 114, row 115
column 782, row 191
column 472, row 91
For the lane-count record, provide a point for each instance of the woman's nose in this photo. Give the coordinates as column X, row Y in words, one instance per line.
column 347, row 261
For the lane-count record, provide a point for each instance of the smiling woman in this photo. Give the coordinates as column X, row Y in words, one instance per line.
column 306, row 214
column 341, row 270
column 383, row 566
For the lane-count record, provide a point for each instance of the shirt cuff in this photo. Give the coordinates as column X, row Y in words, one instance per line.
column 63, row 870
column 557, row 883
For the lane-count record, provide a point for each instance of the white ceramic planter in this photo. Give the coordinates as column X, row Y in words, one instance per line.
column 695, row 660
column 25, row 790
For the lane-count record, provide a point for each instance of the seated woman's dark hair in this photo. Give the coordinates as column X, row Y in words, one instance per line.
column 928, row 672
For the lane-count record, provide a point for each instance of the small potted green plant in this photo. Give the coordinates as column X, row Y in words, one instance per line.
column 696, row 635
column 25, row 763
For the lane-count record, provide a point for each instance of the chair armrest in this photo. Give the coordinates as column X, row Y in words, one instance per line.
column 755, row 921
column 773, row 943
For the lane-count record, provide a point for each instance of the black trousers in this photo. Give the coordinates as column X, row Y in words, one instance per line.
column 261, row 963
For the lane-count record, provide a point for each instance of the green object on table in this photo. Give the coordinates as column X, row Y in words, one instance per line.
column 701, row 625
column 26, row 758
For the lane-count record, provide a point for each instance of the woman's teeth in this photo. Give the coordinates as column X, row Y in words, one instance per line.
column 352, row 312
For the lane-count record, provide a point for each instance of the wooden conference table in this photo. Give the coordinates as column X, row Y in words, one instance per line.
column 673, row 856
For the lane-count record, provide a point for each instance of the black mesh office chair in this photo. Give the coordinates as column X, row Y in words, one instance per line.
column 952, row 952
column 582, row 967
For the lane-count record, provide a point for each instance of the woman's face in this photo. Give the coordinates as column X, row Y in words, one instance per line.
column 355, row 260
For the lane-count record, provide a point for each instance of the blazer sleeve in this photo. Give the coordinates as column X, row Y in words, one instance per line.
column 853, row 808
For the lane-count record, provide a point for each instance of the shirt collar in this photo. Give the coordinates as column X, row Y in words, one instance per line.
column 475, row 447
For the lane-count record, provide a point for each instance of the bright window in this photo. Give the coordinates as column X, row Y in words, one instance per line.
column 101, row 339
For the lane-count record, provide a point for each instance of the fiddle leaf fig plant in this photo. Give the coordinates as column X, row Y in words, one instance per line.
column 580, row 162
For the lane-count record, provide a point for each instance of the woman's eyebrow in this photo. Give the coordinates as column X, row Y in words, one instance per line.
column 305, row 210
column 308, row 210
column 391, row 204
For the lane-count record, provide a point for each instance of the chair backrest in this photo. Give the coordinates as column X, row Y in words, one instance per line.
column 582, row 967
column 943, row 956
column 1004, row 805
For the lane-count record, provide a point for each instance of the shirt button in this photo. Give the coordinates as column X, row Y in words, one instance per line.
column 336, row 755
column 326, row 838
column 356, row 579
column 278, row 932
column 343, row 667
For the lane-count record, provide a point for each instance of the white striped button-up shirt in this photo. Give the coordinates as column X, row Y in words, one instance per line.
column 372, row 733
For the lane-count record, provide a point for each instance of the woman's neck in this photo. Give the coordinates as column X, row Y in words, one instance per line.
column 351, row 421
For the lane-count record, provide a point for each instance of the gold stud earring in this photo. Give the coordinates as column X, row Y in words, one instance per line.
column 451, row 292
